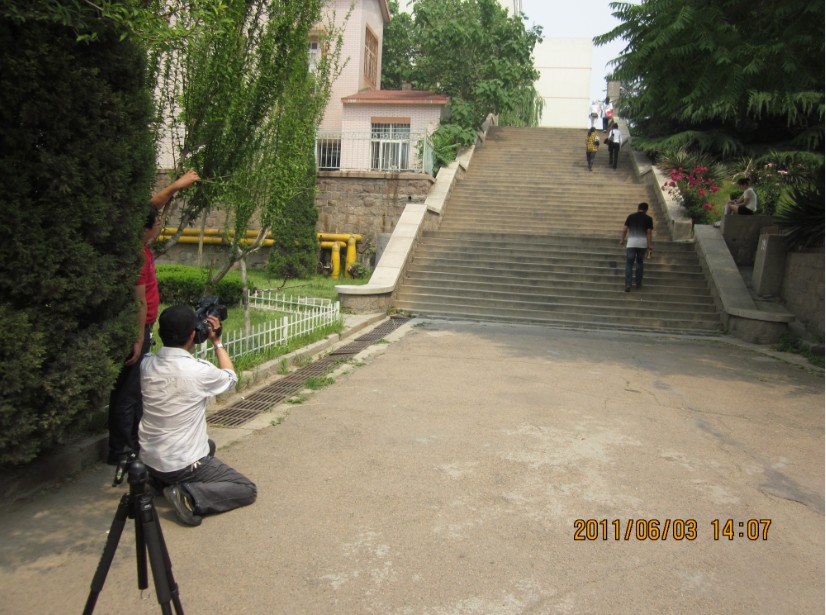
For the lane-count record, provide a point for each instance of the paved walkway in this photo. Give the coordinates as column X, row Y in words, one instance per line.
column 444, row 473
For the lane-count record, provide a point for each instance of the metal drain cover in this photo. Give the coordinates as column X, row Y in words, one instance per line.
column 231, row 417
column 264, row 398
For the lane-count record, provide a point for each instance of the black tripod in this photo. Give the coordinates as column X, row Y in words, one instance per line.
column 137, row 505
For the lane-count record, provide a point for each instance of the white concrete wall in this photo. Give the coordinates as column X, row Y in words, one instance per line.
column 351, row 81
column 564, row 66
column 357, row 123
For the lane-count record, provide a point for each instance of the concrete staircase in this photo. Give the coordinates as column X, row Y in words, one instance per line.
column 531, row 236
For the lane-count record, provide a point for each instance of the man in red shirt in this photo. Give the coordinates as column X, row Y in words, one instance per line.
column 125, row 402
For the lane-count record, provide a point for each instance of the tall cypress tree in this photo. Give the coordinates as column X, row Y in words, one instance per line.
column 295, row 250
column 76, row 163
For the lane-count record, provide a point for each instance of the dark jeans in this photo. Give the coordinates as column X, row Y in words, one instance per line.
column 589, row 158
column 631, row 255
column 213, row 485
column 126, row 407
column 613, row 154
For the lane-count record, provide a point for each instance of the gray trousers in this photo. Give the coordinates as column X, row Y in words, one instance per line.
column 213, row 486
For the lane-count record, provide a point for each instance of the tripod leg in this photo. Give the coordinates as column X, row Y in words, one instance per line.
column 173, row 586
column 108, row 553
column 140, row 547
column 165, row 587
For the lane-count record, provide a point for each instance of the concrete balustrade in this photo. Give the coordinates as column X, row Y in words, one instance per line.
column 377, row 294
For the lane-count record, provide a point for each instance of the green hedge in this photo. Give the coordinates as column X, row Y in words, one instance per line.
column 76, row 165
column 180, row 284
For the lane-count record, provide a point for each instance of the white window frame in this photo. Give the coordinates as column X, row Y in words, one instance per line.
column 390, row 146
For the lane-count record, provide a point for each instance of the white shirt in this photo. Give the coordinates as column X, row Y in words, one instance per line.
column 175, row 387
column 750, row 197
column 616, row 136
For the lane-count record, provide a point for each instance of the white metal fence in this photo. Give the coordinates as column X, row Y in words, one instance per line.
column 381, row 150
column 305, row 315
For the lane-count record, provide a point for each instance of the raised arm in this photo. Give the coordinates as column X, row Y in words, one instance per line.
column 162, row 197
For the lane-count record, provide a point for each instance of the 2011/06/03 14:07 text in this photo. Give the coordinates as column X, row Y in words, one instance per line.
column 669, row 529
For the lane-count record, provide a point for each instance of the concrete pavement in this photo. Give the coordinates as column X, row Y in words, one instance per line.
column 444, row 473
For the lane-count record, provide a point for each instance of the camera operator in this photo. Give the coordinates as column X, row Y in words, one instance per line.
column 173, row 431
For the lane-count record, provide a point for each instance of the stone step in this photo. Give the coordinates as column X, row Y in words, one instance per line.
column 506, row 255
column 558, row 274
column 541, row 262
column 634, row 320
column 570, row 290
column 605, row 230
column 543, row 242
column 529, row 235
column 591, row 247
column 540, row 216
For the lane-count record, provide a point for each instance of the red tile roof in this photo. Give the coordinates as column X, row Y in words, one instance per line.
column 397, row 97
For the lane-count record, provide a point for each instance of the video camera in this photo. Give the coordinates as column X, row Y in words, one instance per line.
column 208, row 306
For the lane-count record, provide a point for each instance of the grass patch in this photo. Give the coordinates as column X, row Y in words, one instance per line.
column 794, row 345
column 302, row 361
column 249, row 361
column 316, row 286
column 318, row 382
column 276, row 422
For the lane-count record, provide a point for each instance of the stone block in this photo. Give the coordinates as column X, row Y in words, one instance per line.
column 742, row 234
column 769, row 264
column 803, row 288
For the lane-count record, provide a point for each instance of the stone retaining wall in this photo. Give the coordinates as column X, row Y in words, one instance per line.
column 803, row 288
column 367, row 203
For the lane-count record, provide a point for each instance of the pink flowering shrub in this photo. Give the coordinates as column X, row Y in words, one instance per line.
column 693, row 189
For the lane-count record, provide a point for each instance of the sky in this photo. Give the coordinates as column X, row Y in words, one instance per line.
column 579, row 19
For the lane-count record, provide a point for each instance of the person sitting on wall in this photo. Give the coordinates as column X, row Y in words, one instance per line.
column 746, row 205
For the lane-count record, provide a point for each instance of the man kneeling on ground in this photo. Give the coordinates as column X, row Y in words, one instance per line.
column 173, row 433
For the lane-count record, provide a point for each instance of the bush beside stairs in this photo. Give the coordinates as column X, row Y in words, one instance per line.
column 531, row 236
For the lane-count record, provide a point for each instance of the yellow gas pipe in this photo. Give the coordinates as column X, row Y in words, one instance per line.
column 211, row 236
column 350, row 239
column 330, row 241
column 335, row 257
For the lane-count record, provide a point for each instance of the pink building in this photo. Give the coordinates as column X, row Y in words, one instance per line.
column 365, row 127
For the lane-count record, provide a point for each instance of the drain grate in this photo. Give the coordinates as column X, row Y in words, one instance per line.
column 376, row 334
column 233, row 417
column 350, row 349
column 264, row 398
column 385, row 328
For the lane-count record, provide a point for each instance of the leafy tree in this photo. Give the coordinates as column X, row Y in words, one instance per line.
column 803, row 218
column 152, row 22
column 295, row 253
column 76, row 163
column 730, row 77
column 397, row 49
column 242, row 107
column 743, row 81
column 495, row 63
column 474, row 52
